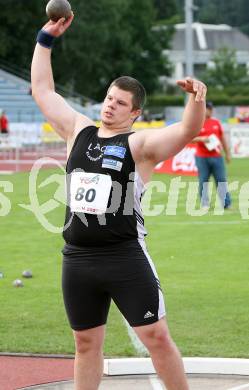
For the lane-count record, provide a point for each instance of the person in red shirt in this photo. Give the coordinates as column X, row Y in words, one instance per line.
column 4, row 123
column 209, row 159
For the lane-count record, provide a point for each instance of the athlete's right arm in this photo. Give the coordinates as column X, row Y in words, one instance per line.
column 62, row 117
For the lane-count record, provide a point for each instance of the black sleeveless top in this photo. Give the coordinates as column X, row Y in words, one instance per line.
column 123, row 219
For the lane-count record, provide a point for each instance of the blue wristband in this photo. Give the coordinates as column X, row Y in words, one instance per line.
column 45, row 39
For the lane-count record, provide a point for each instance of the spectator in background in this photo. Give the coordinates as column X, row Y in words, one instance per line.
column 4, row 123
column 146, row 116
column 209, row 160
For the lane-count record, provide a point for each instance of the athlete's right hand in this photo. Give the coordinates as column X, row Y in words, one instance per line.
column 58, row 28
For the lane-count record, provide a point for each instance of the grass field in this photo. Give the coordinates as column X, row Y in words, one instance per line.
column 202, row 262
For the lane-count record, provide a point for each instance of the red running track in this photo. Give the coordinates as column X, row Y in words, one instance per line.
column 17, row 372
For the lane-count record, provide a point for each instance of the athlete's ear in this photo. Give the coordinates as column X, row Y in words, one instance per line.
column 136, row 113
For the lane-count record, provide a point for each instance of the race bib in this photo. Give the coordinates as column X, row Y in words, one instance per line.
column 89, row 192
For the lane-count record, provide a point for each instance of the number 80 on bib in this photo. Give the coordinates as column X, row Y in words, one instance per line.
column 89, row 192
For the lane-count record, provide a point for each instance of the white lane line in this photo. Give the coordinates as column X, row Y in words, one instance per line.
column 137, row 344
column 148, row 223
column 246, row 386
column 6, row 172
column 156, row 385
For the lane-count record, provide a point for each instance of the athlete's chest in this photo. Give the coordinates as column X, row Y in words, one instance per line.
column 96, row 150
column 97, row 155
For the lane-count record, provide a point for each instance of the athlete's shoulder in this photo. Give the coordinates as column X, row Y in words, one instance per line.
column 82, row 122
column 78, row 132
column 135, row 144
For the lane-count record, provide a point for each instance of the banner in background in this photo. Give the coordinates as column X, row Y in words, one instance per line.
column 242, row 113
column 239, row 139
column 182, row 163
column 22, row 134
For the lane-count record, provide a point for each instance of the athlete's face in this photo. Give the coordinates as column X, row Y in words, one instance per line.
column 117, row 109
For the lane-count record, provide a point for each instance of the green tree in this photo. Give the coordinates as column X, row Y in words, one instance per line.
column 19, row 22
column 166, row 9
column 233, row 13
column 226, row 71
column 111, row 38
column 108, row 38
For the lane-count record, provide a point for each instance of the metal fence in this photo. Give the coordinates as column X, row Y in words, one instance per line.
column 29, row 142
column 19, row 150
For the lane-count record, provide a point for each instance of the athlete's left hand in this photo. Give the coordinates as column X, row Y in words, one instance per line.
column 196, row 87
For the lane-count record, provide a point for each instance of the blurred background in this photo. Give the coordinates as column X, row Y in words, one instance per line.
column 156, row 41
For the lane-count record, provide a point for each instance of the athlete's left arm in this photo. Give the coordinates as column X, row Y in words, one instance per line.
column 158, row 145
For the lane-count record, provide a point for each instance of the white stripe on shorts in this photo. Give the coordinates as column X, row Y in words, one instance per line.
column 161, row 306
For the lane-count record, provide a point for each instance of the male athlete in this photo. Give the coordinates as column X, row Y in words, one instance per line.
column 105, row 256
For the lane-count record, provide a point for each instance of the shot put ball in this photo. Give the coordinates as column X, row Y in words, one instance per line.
column 57, row 9
column 27, row 273
column 18, row 283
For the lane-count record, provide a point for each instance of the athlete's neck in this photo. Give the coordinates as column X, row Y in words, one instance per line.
column 106, row 131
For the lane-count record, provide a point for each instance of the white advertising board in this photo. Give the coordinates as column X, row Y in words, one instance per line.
column 239, row 140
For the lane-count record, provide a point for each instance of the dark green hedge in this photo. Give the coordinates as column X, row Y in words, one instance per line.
column 219, row 98
column 165, row 100
column 228, row 100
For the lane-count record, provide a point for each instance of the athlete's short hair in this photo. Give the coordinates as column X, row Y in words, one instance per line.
column 127, row 83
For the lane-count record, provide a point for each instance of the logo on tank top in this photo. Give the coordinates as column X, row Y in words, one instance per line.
column 95, row 152
column 116, row 151
column 112, row 164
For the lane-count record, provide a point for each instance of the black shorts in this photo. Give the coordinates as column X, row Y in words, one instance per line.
column 123, row 272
